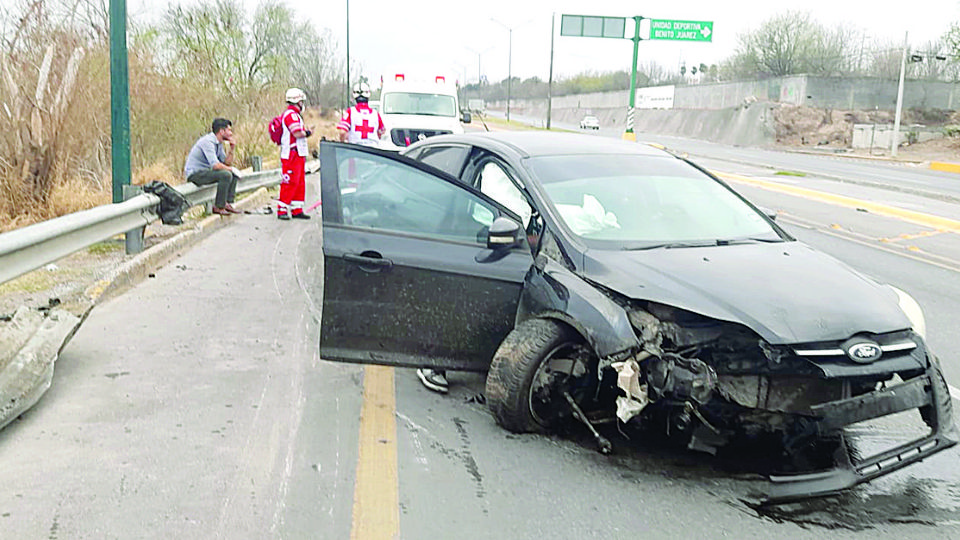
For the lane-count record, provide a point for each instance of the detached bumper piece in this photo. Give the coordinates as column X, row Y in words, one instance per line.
column 927, row 391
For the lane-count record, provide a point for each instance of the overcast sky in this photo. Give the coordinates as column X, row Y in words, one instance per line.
column 404, row 34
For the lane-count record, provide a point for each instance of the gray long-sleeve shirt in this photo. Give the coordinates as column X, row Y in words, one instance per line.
column 206, row 153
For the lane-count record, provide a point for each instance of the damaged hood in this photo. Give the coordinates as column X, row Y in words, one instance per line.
column 785, row 292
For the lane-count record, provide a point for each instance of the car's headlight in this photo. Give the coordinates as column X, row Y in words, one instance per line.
column 912, row 310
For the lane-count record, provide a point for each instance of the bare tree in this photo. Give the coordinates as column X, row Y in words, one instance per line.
column 885, row 60
column 209, row 43
column 791, row 43
column 213, row 40
column 316, row 68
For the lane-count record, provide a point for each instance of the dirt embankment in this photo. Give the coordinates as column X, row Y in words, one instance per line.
column 833, row 128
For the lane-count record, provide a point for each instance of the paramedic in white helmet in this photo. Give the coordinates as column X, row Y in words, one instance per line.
column 293, row 157
column 361, row 124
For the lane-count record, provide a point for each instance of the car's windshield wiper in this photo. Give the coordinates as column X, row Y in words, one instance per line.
column 748, row 240
column 671, row 245
column 705, row 243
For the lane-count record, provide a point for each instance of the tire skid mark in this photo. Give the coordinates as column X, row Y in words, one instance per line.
column 467, row 457
column 462, row 455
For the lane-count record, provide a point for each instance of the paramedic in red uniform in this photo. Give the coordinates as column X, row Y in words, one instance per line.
column 293, row 156
column 360, row 122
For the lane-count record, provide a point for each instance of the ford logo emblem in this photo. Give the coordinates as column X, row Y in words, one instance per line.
column 864, row 352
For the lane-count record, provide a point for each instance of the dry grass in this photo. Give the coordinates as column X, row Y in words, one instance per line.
column 73, row 194
column 324, row 126
column 162, row 171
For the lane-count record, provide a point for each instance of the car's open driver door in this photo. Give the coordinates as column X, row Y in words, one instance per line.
column 402, row 281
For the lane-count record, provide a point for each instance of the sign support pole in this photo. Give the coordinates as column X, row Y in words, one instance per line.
column 615, row 27
column 629, row 134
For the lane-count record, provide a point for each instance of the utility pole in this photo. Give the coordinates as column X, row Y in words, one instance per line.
column 348, row 56
column 896, row 119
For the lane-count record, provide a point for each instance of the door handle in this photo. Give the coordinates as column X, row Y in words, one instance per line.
column 369, row 261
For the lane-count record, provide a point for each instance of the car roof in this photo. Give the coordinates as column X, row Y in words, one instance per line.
column 547, row 143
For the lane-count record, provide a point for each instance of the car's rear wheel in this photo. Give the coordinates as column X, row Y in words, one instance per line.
column 539, row 361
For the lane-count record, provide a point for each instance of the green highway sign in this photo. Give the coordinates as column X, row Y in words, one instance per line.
column 681, row 30
column 593, row 26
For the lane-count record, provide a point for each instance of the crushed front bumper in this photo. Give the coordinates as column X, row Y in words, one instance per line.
column 925, row 391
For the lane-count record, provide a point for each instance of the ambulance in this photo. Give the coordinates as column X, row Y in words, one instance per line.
column 417, row 106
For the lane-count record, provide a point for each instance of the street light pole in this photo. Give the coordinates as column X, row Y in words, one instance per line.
column 479, row 73
column 896, row 118
column 509, row 61
column 509, row 71
column 553, row 21
column 347, row 105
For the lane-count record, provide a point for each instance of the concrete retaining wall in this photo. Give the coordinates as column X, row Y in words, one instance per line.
column 750, row 124
column 823, row 92
column 739, row 112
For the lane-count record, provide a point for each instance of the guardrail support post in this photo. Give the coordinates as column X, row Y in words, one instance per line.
column 257, row 163
column 133, row 237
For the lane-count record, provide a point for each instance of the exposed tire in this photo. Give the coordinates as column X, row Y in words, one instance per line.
column 535, row 364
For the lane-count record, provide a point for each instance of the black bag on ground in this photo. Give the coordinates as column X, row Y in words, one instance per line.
column 172, row 203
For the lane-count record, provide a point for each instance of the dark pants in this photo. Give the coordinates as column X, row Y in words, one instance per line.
column 224, row 179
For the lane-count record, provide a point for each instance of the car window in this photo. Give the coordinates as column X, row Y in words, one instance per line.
column 416, row 103
column 631, row 199
column 448, row 159
column 380, row 193
column 494, row 181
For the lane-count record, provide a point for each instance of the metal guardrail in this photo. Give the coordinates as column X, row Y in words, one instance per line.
column 31, row 247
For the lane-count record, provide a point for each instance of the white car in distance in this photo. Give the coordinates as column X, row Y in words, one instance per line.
column 590, row 122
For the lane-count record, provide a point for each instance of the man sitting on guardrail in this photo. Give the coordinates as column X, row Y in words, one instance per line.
column 210, row 162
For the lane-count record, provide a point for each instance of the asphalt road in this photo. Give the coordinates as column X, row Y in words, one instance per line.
column 196, row 406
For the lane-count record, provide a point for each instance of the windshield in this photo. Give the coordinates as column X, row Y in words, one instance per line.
column 411, row 103
column 637, row 202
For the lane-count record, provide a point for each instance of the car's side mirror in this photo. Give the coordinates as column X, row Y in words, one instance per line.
column 466, row 117
column 504, row 233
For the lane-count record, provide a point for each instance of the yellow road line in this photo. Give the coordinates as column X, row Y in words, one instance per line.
column 945, row 166
column 376, row 507
column 919, row 218
column 907, row 236
column 864, row 240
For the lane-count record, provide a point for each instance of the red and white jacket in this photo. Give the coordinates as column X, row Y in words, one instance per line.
column 362, row 124
column 290, row 145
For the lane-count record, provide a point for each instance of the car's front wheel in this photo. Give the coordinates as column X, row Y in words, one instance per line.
column 538, row 362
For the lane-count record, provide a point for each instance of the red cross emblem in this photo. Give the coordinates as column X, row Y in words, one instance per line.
column 365, row 128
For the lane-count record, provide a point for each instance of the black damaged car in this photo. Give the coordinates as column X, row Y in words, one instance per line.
column 593, row 277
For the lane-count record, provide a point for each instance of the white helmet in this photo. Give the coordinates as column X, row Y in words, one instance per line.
column 295, row 95
column 361, row 90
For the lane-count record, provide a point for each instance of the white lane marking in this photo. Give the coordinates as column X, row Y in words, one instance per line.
column 415, row 429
